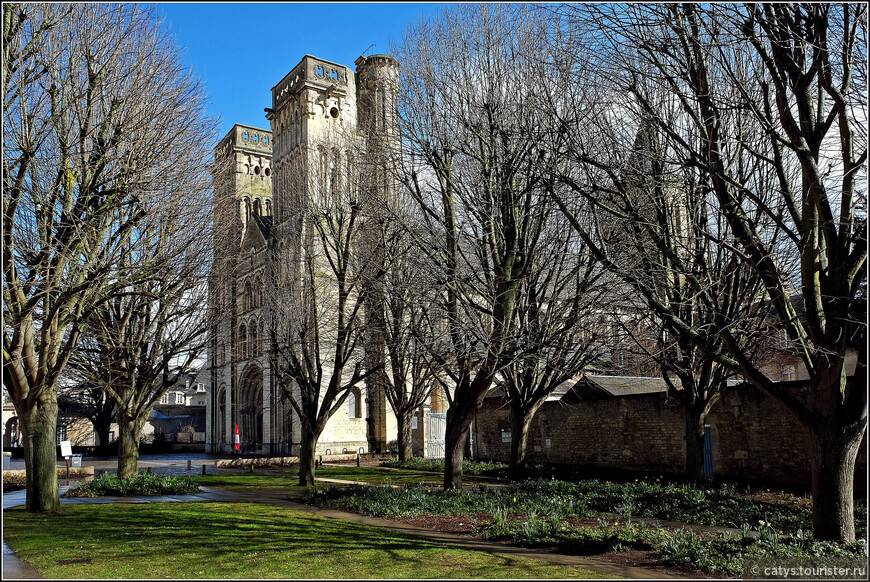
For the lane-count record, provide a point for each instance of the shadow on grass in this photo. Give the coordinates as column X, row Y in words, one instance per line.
column 239, row 540
column 288, row 478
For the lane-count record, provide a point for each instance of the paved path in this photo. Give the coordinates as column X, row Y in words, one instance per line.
column 15, row 568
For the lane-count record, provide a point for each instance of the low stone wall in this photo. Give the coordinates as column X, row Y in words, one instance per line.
column 20, row 475
column 279, row 461
column 753, row 436
column 257, row 462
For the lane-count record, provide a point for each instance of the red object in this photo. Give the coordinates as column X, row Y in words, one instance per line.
column 238, row 444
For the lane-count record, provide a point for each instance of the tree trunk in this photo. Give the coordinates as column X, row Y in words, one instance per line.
column 103, row 437
column 454, row 451
column 520, row 423
column 833, row 464
column 403, row 426
column 39, row 432
column 128, row 446
column 695, row 420
column 306, row 457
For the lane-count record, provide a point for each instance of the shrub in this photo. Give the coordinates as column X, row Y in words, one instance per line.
column 488, row 468
column 143, row 484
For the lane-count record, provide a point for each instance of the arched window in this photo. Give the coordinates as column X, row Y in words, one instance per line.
column 255, row 344
column 258, row 207
column 350, row 180
column 247, row 209
column 243, row 342
column 335, row 174
column 324, row 172
column 268, row 208
column 619, row 358
column 354, row 406
column 249, row 296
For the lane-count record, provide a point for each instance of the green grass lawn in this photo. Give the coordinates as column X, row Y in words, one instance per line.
column 288, row 479
column 242, row 540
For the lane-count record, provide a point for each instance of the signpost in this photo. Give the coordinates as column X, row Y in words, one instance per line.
column 66, row 453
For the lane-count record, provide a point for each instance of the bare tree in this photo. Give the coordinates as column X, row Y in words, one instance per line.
column 140, row 343
column 669, row 242
column 775, row 90
column 317, row 327
column 471, row 124
column 94, row 97
column 409, row 327
column 556, row 307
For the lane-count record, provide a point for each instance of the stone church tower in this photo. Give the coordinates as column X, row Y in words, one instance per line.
column 242, row 178
column 325, row 121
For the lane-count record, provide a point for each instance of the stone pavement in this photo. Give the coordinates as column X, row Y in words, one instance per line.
column 15, row 568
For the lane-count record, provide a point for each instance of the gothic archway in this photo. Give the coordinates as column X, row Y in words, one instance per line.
column 11, row 436
column 251, row 409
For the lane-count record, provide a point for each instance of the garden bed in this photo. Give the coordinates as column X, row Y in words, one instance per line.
column 719, row 530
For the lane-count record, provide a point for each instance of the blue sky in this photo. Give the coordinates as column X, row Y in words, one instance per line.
column 241, row 50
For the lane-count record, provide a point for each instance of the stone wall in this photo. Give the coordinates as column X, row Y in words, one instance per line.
column 753, row 436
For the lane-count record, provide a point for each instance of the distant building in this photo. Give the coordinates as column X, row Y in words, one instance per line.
column 180, row 415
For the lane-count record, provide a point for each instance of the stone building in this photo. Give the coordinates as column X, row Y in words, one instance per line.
column 325, row 118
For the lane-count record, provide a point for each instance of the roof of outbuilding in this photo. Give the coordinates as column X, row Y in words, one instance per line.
column 615, row 386
column 592, row 386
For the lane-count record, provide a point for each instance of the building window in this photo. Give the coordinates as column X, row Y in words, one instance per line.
column 164, row 399
column 354, row 408
column 242, row 349
column 249, row 296
column 179, row 398
column 788, row 373
column 60, row 434
column 255, row 343
column 619, row 358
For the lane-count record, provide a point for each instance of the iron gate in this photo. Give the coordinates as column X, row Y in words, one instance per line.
column 437, row 422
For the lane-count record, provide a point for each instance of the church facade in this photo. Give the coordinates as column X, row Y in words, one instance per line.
column 323, row 117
